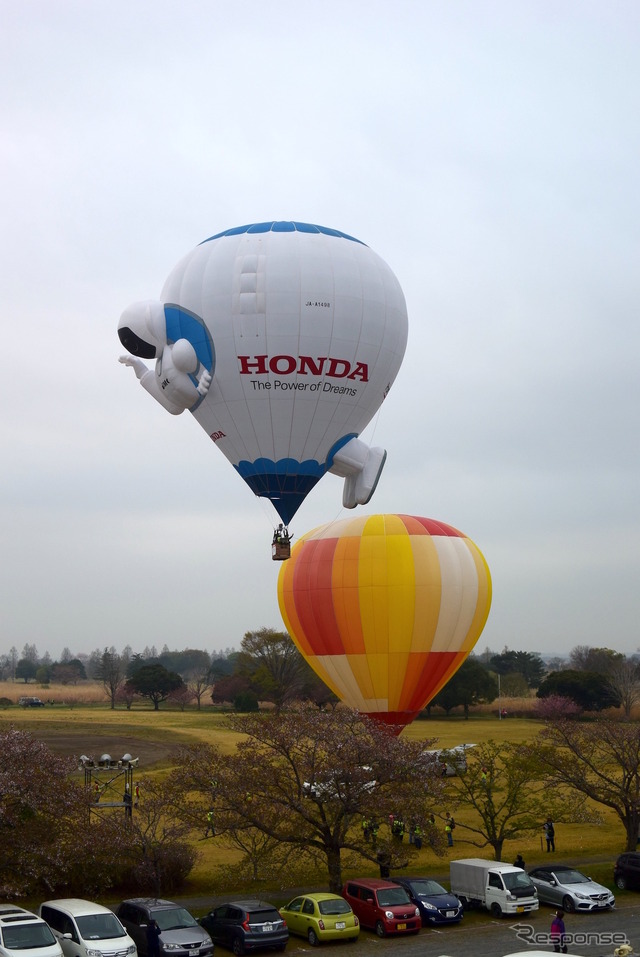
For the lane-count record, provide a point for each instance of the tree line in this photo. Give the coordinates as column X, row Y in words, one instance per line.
column 268, row 667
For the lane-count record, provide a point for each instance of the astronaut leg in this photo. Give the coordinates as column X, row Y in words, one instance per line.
column 361, row 467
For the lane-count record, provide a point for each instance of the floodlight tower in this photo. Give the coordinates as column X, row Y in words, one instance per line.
column 109, row 782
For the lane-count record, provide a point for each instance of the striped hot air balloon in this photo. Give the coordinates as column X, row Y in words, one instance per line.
column 385, row 608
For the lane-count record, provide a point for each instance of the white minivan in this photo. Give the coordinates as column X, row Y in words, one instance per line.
column 85, row 929
column 23, row 934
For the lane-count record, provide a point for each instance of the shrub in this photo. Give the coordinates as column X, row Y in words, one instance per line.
column 245, row 702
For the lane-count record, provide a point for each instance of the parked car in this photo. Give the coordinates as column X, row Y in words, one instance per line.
column 23, row 934
column 436, row 905
column 450, row 761
column 30, row 702
column 86, row 929
column 245, row 925
column 570, row 889
column 321, row 917
column 324, row 788
column 180, row 933
column 626, row 870
column 382, row 906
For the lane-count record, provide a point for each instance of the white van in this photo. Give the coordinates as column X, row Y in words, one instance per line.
column 85, row 929
column 23, row 934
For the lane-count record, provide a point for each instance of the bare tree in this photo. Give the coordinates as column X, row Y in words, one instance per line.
column 307, row 778
column 624, row 679
column 274, row 665
column 111, row 672
column 199, row 684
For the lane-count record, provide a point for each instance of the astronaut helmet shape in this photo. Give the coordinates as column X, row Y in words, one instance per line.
column 142, row 329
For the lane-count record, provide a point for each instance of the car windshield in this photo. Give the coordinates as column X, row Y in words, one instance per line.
column 427, row 888
column 27, row 936
column 335, row 906
column 100, row 927
column 571, row 877
column 392, row 895
column 513, row 880
column 174, row 919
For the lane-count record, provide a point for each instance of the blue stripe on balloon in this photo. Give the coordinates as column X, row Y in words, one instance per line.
column 282, row 226
column 285, row 483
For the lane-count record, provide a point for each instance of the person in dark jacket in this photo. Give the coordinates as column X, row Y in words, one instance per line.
column 153, row 938
column 550, row 834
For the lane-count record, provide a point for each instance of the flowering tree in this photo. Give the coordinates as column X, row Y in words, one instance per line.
column 45, row 832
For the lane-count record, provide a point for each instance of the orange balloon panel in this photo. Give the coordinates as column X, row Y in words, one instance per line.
column 385, row 608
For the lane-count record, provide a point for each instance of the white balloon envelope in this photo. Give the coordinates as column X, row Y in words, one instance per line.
column 283, row 339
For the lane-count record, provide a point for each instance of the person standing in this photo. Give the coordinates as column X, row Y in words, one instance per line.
column 558, row 933
column 153, row 938
column 519, row 862
column 550, row 835
column 210, row 828
column 448, row 830
column 417, row 837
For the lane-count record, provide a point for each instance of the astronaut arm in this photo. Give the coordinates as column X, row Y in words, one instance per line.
column 136, row 364
column 149, row 382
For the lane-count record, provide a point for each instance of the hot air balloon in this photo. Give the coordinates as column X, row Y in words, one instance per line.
column 385, row 608
column 282, row 339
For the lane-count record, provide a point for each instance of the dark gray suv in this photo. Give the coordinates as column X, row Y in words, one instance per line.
column 246, row 925
column 180, row 934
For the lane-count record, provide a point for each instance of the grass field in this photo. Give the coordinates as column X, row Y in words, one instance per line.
column 80, row 722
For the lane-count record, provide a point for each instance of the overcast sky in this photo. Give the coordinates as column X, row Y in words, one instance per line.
column 488, row 151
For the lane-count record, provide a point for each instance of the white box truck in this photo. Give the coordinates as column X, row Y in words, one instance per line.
column 501, row 888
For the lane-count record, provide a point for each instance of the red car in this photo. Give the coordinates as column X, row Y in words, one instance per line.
column 382, row 906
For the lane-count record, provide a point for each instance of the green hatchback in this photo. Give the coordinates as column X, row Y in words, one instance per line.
column 320, row 918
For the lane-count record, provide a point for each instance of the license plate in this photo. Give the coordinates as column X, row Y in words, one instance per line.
column 267, row 928
column 402, row 926
column 451, row 913
column 194, row 952
column 519, row 910
column 341, row 924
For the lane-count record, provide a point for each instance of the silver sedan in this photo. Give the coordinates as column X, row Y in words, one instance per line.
column 570, row 889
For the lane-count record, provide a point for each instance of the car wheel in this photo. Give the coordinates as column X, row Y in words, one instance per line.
column 496, row 910
column 621, row 882
column 568, row 904
column 380, row 928
column 312, row 937
column 238, row 946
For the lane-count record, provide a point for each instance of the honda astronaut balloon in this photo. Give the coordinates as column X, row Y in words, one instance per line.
column 282, row 339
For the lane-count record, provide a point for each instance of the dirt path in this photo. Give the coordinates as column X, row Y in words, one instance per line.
column 95, row 745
